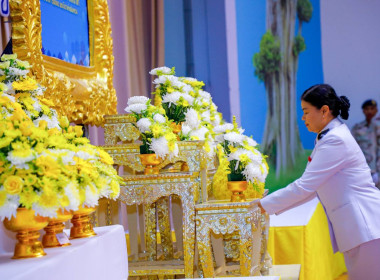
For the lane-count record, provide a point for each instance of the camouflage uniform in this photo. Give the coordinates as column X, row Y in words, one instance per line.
column 368, row 138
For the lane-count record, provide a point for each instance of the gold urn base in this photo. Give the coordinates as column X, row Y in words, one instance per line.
column 82, row 226
column 54, row 235
column 237, row 188
column 150, row 161
column 27, row 226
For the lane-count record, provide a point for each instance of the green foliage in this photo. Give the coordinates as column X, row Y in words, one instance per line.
column 268, row 59
column 273, row 184
column 175, row 112
column 299, row 45
column 304, row 10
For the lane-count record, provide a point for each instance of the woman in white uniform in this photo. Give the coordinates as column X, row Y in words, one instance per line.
column 337, row 173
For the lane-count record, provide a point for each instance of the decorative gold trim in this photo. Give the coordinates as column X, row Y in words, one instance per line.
column 83, row 94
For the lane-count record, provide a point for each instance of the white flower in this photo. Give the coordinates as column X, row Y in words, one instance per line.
column 36, row 105
column 50, row 212
column 200, row 133
column 185, row 129
column 204, row 94
column 188, row 98
column 206, row 116
column 137, row 100
column 92, row 196
column 52, row 122
column 250, row 141
column 171, row 98
column 10, row 97
column 163, row 70
column 192, row 118
column 234, row 137
column 216, row 120
column 71, row 191
column 219, row 138
column 190, row 79
column 253, row 171
column 20, row 162
column 187, row 88
column 10, row 89
column 159, row 118
column 84, row 155
column 1, row 72
column 223, row 128
column 136, row 108
column 173, row 81
column 39, row 91
column 9, row 208
column 160, row 146
column 144, row 125
column 17, row 72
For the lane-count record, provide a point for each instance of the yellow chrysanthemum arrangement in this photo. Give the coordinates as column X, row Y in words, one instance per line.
column 156, row 133
column 46, row 168
column 19, row 87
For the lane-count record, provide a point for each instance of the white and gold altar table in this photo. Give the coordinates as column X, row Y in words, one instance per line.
column 246, row 278
column 103, row 256
column 301, row 236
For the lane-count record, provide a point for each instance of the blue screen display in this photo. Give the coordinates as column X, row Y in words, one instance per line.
column 65, row 30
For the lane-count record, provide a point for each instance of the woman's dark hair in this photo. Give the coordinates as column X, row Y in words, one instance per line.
column 323, row 94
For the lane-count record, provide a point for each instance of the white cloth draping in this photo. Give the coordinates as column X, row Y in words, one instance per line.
column 298, row 216
column 101, row 257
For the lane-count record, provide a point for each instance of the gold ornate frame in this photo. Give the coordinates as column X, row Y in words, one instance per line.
column 83, row 94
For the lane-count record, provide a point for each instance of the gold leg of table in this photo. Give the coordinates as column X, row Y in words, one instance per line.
column 205, row 254
column 245, row 250
column 150, row 230
column 164, row 226
column 188, row 234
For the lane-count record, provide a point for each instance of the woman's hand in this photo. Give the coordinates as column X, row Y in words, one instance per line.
column 261, row 208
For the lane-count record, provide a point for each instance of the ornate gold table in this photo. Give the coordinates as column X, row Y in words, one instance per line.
column 224, row 217
column 147, row 190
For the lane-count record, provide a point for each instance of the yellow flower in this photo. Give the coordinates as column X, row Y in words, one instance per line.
column 5, row 141
column 26, row 128
column 78, row 130
column 23, row 64
column 3, row 197
column 156, row 130
column 28, row 196
column 42, row 124
column 48, row 166
column 3, row 87
column 48, row 198
column 4, row 65
column 64, row 122
column 25, row 85
column 244, row 159
column 30, row 180
column 13, row 184
column 6, row 57
column 13, row 133
column 115, row 188
column 170, row 89
column 105, row 157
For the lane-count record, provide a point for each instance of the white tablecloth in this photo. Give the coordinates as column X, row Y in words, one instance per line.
column 101, row 257
column 298, row 216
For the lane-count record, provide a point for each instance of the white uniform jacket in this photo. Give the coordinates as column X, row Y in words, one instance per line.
column 339, row 175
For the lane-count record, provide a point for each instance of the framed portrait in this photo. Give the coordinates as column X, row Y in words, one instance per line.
column 69, row 45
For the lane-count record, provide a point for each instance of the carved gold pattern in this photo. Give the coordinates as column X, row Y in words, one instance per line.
column 147, row 189
column 83, row 94
column 162, row 206
column 223, row 217
column 120, row 128
column 265, row 258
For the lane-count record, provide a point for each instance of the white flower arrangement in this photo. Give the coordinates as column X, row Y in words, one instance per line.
column 245, row 161
column 156, row 133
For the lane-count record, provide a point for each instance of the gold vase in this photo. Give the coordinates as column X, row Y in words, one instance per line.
column 82, row 226
column 150, row 161
column 27, row 226
column 54, row 235
column 237, row 188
